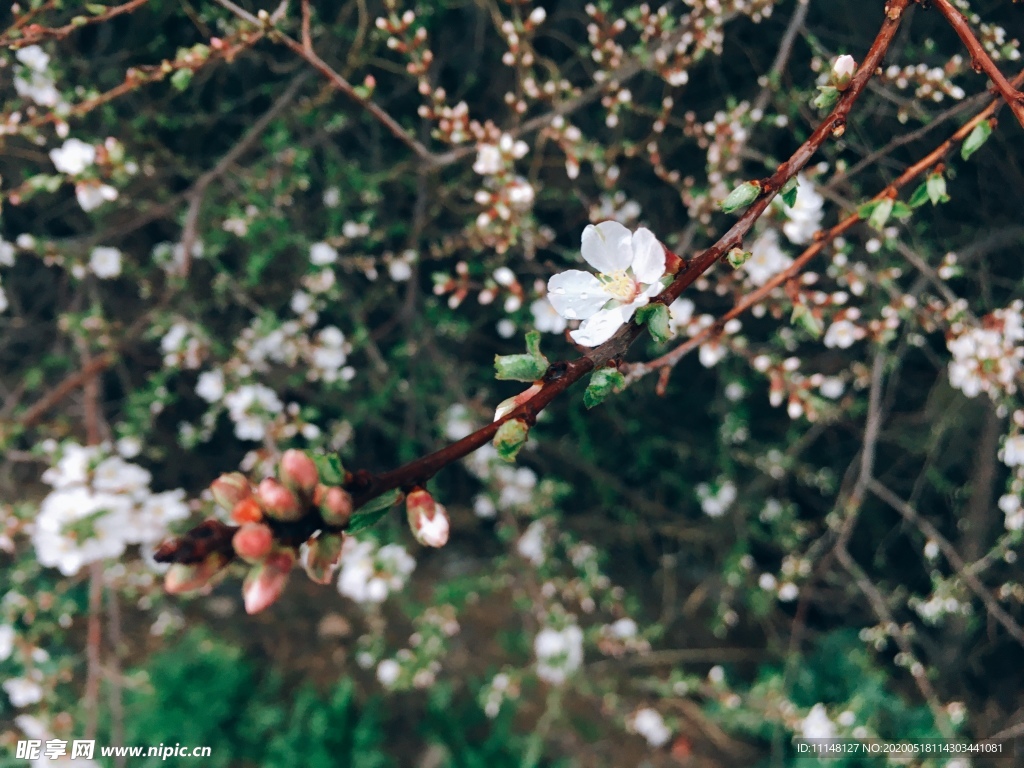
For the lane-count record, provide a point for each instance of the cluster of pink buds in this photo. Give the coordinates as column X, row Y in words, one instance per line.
column 265, row 514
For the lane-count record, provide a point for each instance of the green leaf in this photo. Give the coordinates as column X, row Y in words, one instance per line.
column 603, row 383
column 901, row 210
column 330, row 468
column 373, row 511
column 976, row 138
column 936, row 185
column 519, row 367
column 656, row 318
column 181, row 78
column 880, row 213
column 533, row 345
column 741, row 197
column 920, row 196
column 789, row 191
column 804, row 318
column 827, row 97
column 510, row 438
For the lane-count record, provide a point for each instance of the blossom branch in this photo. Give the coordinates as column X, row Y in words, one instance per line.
column 667, row 361
column 35, row 33
column 980, row 58
column 215, row 538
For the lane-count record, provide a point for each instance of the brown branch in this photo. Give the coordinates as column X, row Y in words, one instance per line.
column 636, row 371
column 65, row 388
column 35, row 33
column 981, row 59
column 365, row 485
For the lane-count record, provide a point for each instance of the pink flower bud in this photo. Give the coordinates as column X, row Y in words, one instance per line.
column 427, row 519
column 230, row 489
column 266, row 581
column 322, row 556
column 506, row 407
column 253, row 542
column 298, row 471
column 335, row 504
column 247, row 511
column 277, row 501
column 843, row 71
column 187, row 578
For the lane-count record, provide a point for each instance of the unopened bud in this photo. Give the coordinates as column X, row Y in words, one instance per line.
column 253, row 542
column 229, row 489
column 335, row 504
column 187, row 578
column 266, row 581
column 428, row 520
column 322, row 556
column 506, row 407
column 246, row 511
column 277, row 501
column 298, row 471
column 843, row 71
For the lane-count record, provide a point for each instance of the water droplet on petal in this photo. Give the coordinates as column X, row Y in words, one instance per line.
column 584, row 295
column 570, row 314
column 558, row 291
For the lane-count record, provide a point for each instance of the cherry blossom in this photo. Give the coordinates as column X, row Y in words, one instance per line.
column 630, row 267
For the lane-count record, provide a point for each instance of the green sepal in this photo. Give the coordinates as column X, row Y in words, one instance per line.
column 975, row 139
column 741, row 197
column 510, row 438
column 373, row 510
column 181, row 78
column 920, row 196
column 603, row 383
column 330, row 468
column 804, row 318
column 533, row 345
column 789, row 191
column 737, row 257
column 656, row 318
column 876, row 212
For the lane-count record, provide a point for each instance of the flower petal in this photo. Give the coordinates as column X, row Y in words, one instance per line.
column 606, row 246
column 599, row 327
column 576, row 295
column 648, row 256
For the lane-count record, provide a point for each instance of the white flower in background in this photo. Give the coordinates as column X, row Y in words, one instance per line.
column 767, row 259
column 1013, row 451
column 33, row 57
column 546, row 317
column 22, row 692
column 73, row 157
column 716, row 503
column 328, row 356
column 648, row 723
column 6, row 641
column 457, row 422
column 387, row 672
column 105, row 262
column 210, row 385
column 369, row 575
column 517, row 486
column 680, row 314
column 559, row 653
column 250, row 407
column 842, row 334
column 817, row 725
column 806, row 213
column 488, row 160
column 92, row 194
column 988, row 359
column 624, row 629
column 630, row 267
column 3, row 300
column 788, row 592
column 321, row 254
column 6, row 253
column 531, row 543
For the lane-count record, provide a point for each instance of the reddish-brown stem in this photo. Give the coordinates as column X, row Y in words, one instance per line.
column 560, row 376
column 65, row 388
column 980, row 58
column 670, row 359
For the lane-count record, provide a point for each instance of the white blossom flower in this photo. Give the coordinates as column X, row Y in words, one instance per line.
column 1013, row 451
column 22, row 692
column 73, row 157
column 559, row 653
column 488, row 160
column 33, row 57
column 842, row 334
column 369, row 575
column 387, row 672
column 649, row 723
column 105, row 262
column 210, row 385
column 321, row 254
column 546, row 317
column 817, row 725
column 767, row 259
column 630, row 267
column 531, row 543
column 6, row 641
column 788, row 592
column 92, row 194
column 806, row 213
